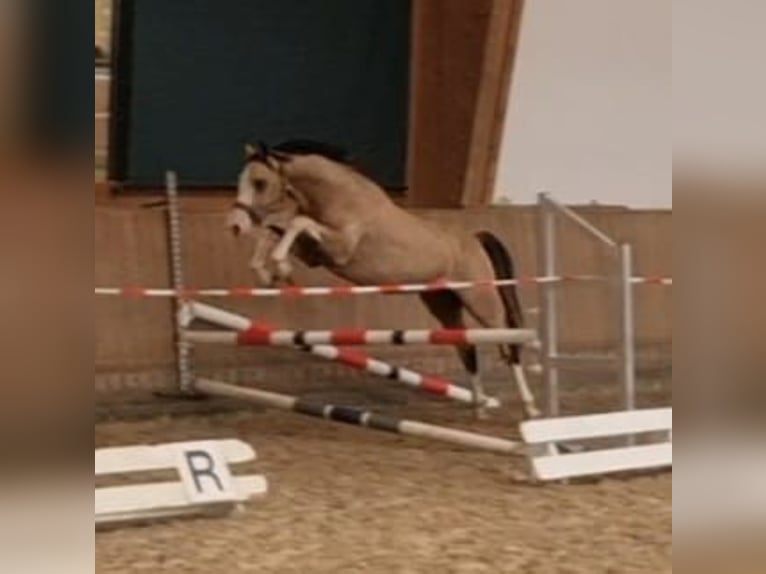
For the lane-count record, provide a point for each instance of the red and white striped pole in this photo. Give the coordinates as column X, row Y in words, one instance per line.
column 350, row 290
column 256, row 336
column 427, row 383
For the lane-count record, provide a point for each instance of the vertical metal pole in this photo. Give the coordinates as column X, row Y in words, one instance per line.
column 548, row 304
column 183, row 364
column 627, row 353
column 627, row 328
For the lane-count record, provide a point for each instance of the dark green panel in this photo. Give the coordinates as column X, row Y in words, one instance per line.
column 202, row 77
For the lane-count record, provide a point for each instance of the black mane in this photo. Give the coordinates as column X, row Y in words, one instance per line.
column 262, row 152
column 311, row 147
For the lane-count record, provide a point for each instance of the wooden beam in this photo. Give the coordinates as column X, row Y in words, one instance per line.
column 449, row 38
column 416, row 49
column 489, row 120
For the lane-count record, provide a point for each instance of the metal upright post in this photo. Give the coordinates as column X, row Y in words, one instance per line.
column 183, row 364
column 548, row 304
column 627, row 352
column 627, row 328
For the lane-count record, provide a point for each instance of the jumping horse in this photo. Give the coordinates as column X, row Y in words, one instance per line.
column 309, row 192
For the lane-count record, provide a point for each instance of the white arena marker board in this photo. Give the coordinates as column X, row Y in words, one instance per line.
column 204, row 483
column 547, row 464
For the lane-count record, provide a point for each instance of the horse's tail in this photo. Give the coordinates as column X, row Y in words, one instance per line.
column 502, row 263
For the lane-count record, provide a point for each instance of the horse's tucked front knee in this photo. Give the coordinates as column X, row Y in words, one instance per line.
column 261, row 269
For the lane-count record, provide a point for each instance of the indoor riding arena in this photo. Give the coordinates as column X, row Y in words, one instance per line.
column 382, row 286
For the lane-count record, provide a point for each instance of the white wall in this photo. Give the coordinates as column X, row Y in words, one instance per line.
column 589, row 117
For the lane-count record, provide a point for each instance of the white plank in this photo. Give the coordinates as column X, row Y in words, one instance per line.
column 142, row 458
column 126, row 498
column 643, row 457
column 597, row 426
column 143, row 517
column 120, row 504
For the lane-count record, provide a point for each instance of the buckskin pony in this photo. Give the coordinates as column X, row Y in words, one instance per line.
column 303, row 190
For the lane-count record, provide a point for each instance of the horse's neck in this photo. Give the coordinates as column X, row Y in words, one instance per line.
column 287, row 210
column 326, row 186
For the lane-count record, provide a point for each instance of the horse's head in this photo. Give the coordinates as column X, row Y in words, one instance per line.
column 262, row 189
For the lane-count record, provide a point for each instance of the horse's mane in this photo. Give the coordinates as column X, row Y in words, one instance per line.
column 312, row 147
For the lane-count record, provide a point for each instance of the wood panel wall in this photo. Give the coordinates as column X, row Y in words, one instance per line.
column 103, row 21
column 101, row 123
column 462, row 62
column 489, row 117
column 135, row 335
column 463, row 54
column 449, row 38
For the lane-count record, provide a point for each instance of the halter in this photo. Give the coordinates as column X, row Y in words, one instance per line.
column 255, row 219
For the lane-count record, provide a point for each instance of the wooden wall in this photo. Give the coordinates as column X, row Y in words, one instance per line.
column 103, row 21
column 134, row 335
column 101, row 123
column 462, row 63
column 448, row 39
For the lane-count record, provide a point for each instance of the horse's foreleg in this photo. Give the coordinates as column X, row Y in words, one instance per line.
column 338, row 246
column 469, row 356
column 297, row 226
column 259, row 262
column 525, row 393
column 487, row 308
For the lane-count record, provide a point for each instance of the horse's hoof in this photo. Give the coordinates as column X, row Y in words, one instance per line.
column 492, row 403
column 284, row 269
column 535, row 369
column 283, row 282
column 532, row 413
column 481, row 414
column 265, row 277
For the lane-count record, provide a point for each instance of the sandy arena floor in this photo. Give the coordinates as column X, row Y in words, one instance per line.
column 349, row 500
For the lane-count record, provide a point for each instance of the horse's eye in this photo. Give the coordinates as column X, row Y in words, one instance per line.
column 260, row 185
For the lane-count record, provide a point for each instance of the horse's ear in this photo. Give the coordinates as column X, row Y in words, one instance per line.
column 260, row 149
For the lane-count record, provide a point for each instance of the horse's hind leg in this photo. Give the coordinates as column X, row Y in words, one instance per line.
column 447, row 308
column 527, row 397
column 486, row 306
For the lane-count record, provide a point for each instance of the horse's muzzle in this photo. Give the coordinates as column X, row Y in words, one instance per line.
column 242, row 218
